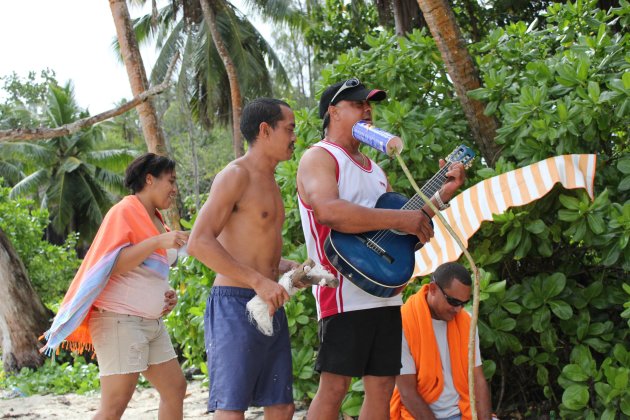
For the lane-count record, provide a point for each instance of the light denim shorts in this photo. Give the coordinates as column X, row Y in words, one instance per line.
column 127, row 343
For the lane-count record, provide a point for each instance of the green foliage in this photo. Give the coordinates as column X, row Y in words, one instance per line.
column 50, row 267
column 560, row 90
column 336, row 26
column 213, row 150
column 79, row 377
column 192, row 280
column 25, row 98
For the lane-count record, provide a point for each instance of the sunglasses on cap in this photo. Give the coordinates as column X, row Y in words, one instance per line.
column 348, row 84
column 451, row 300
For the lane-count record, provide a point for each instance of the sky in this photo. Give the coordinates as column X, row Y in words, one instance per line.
column 73, row 38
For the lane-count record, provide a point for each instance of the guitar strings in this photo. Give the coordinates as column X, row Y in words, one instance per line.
column 416, row 202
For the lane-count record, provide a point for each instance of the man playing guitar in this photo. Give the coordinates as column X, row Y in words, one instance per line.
column 360, row 334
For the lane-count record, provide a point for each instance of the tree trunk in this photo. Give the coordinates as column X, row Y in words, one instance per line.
column 407, row 16
column 23, row 316
column 153, row 135
column 461, row 69
column 475, row 32
column 399, row 23
column 235, row 90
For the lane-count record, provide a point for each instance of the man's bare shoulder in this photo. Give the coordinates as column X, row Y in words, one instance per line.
column 234, row 174
column 316, row 156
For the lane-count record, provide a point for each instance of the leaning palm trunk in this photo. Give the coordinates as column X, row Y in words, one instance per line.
column 209, row 16
column 461, row 69
column 137, row 76
column 23, row 316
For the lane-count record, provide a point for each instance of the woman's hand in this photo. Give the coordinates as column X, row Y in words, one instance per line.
column 170, row 300
column 174, row 239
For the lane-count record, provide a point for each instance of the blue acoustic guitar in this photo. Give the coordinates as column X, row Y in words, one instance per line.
column 382, row 262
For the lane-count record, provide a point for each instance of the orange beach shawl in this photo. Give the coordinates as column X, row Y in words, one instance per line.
column 418, row 330
column 127, row 223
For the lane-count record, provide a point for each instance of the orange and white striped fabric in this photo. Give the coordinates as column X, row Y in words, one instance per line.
column 494, row 195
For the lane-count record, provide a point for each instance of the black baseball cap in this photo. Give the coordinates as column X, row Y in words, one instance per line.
column 349, row 90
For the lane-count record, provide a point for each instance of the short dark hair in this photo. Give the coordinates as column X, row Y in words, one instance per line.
column 258, row 111
column 148, row 163
column 447, row 272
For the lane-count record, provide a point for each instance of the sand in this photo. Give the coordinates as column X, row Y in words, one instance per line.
column 143, row 406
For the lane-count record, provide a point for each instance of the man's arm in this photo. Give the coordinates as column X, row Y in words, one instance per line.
column 317, row 185
column 482, row 395
column 413, row 402
column 227, row 189
column 455, row 177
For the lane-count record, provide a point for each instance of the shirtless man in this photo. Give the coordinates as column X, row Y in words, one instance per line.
column 238, row 234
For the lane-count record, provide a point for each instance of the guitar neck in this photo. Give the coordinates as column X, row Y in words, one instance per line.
column 431, row 187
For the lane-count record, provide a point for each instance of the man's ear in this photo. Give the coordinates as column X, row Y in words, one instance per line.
column 264, row 130
column 432, row 287
column 332, row 111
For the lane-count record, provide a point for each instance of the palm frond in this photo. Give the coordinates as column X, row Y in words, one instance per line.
column 30, row 184
column 146, row 28
column 279, row 11
column 32, row 151
column 113, row 159
column 62, row 107
column 172, row 44
column 60, row 200
column 70, row 164
column 111, row 181
column 10, row 173
column 88, row 197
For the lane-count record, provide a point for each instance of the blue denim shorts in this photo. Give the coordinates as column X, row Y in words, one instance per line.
column 245, row 367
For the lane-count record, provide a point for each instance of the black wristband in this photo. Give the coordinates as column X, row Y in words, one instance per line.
column 426, row 214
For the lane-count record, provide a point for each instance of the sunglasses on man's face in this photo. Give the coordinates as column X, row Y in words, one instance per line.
column 348, row 84
column 451, row 300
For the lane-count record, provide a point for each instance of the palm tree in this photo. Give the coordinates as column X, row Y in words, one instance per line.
column 211, row 89
column 130, row 52
column 69, row 175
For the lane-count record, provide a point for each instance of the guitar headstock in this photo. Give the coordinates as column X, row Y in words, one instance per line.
column 462, row 154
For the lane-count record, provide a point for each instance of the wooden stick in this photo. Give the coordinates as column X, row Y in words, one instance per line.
column 475, row 314
column 73, row 127
column 302, row 276
column 299, row 275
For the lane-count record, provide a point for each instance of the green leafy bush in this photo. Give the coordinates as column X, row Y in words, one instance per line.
column 50, row 267
column 79, row 377
column 192, row 281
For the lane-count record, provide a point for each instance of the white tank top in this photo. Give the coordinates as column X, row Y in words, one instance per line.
column 358, row 185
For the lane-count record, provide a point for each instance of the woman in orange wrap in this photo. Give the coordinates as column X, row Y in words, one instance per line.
column 116, row 301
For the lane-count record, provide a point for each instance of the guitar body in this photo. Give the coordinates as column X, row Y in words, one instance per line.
column 379, row 262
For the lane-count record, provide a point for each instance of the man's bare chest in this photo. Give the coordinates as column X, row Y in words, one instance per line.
column 261, row 206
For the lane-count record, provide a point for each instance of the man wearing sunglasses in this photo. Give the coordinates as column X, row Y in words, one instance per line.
column 338, row 186
column 433, row 381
